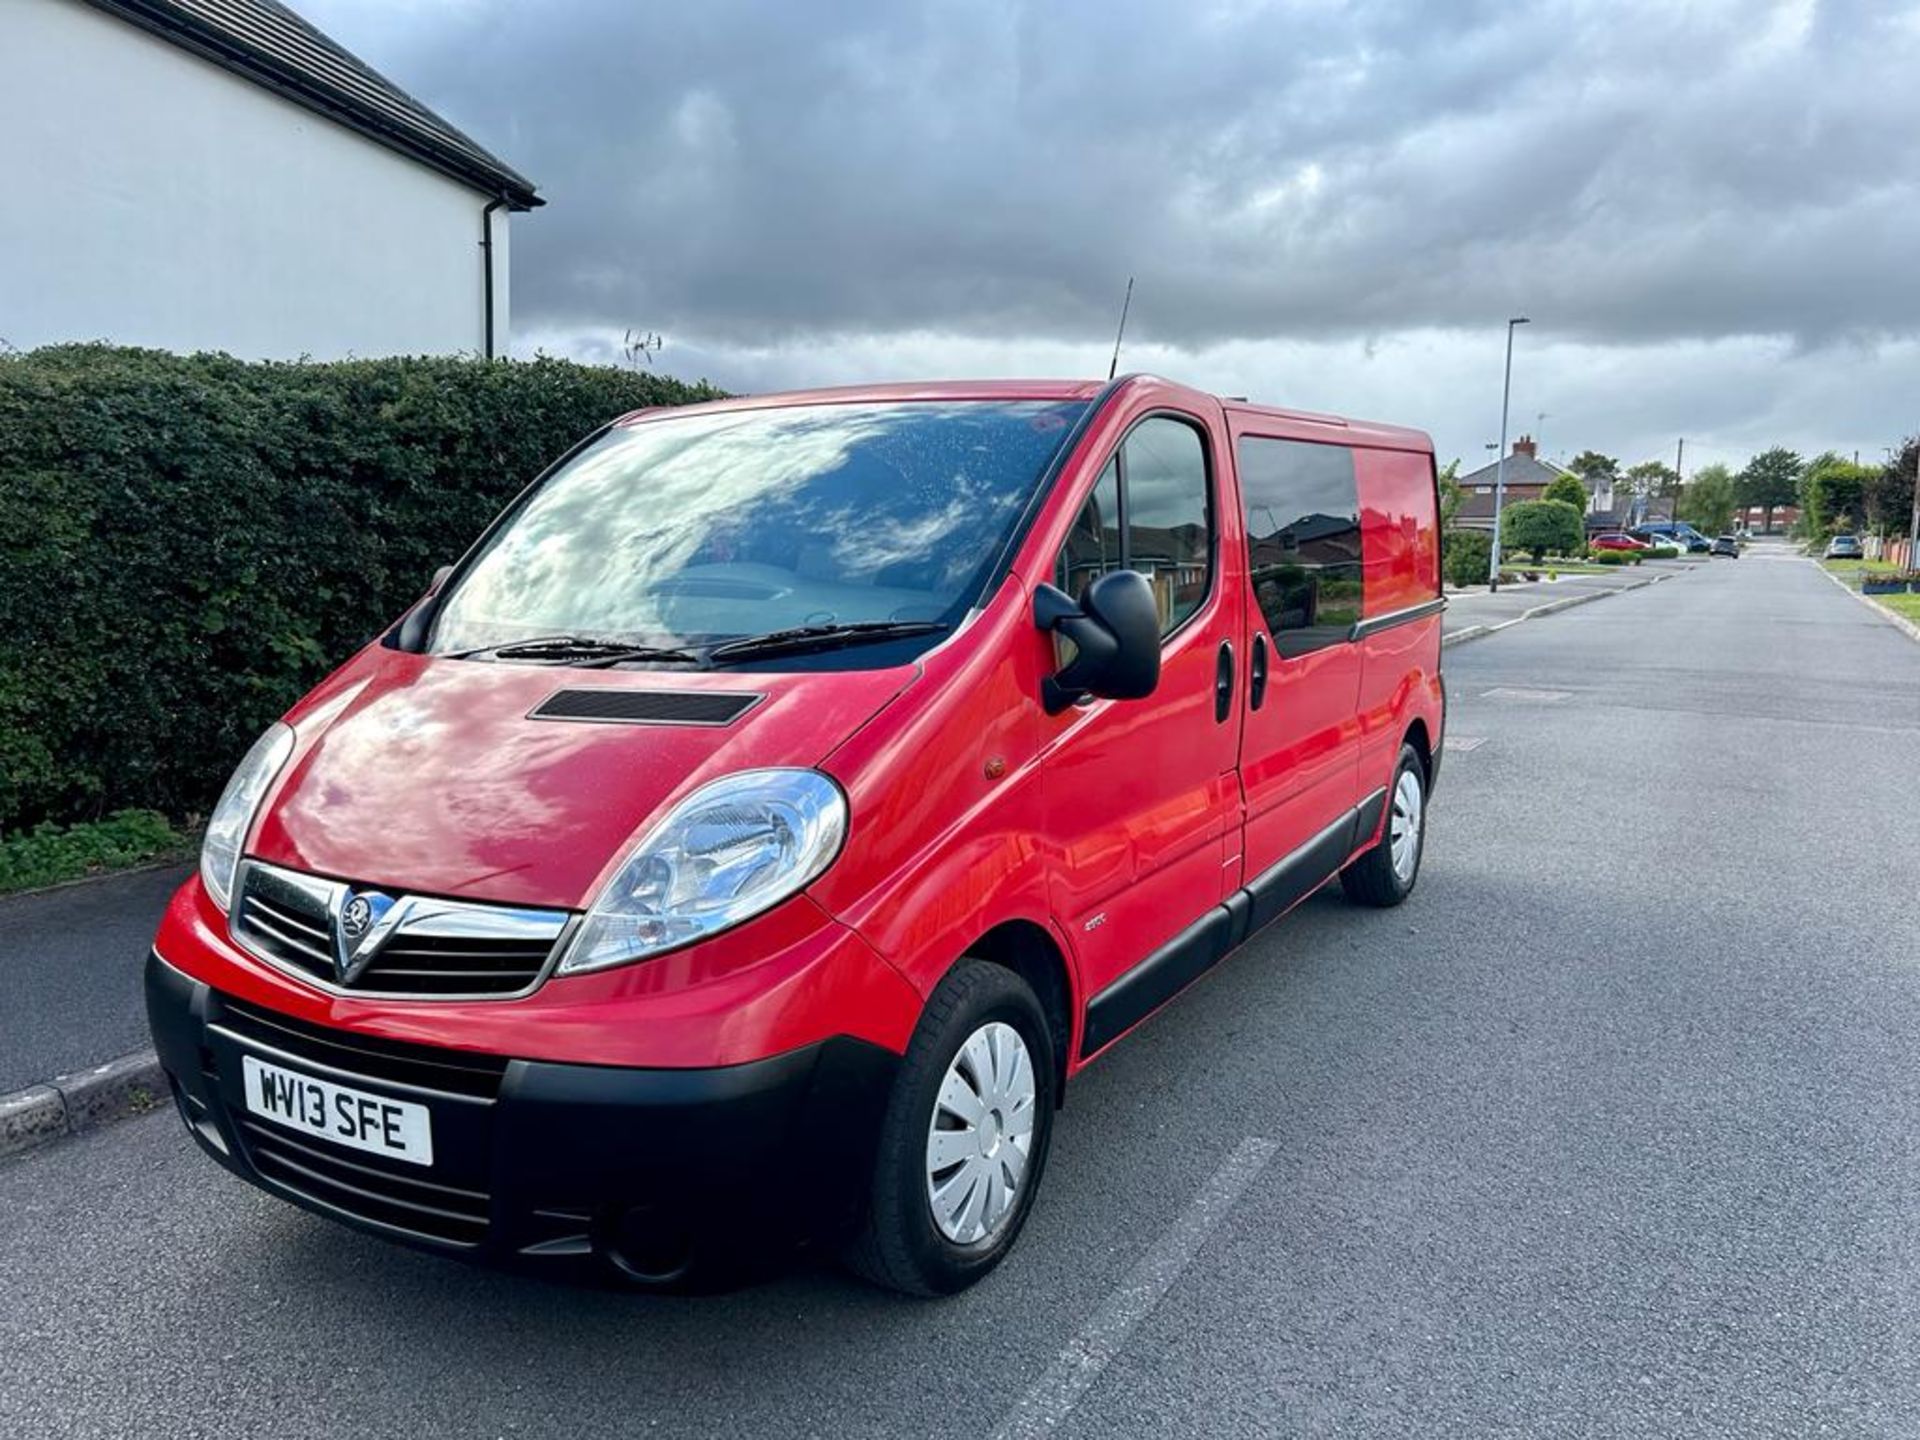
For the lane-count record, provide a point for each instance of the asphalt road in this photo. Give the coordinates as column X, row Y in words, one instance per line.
column 1608, row 1131
column 70, row 971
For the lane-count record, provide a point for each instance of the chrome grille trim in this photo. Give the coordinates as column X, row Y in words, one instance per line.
column 288, row 919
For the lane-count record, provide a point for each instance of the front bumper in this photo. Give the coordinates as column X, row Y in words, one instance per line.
column 656, row 1173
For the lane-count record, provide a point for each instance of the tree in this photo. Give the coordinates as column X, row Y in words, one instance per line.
column 1708, row 501
column 1567, row 488
column 1771, row 479
column 1542, row 528
column 1652, row 477
column 1592, row 466
column 1450, row 494
column 1833, row 494
column 1889, row 492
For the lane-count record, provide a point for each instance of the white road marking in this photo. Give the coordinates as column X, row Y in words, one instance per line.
column 1542, row 697
column 1079, row 1363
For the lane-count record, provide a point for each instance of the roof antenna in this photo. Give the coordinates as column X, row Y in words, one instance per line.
column 1125, row 305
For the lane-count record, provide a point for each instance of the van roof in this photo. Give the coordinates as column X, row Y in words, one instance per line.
column 1300, row 422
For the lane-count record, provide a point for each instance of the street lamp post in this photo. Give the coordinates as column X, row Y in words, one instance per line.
column 1500, row 466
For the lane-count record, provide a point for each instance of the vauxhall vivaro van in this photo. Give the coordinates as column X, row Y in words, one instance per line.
column 748, row 841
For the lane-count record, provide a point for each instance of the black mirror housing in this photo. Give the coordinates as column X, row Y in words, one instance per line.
column 1115, row 630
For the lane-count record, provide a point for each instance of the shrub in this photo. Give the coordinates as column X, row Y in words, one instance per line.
column 1568, row 490
column 1542, row 528
column 1664, row 552
column 1465, row 556
column 1609, row 557
column 188, row 542
column 49, row 853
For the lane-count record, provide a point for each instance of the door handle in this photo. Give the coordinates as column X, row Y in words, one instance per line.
column 1257, row 676
column 1223, row 683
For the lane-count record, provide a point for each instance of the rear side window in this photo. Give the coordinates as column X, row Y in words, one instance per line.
column 1149, row 511
column 1303, row 540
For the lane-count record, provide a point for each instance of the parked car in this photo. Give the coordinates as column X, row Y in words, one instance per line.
column 1617, row 542
column 746, row 842
column 1845, row 547
column 1678, row 534
column 1726, row 545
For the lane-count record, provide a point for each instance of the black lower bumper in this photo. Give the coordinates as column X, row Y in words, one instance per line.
column 661, row 1175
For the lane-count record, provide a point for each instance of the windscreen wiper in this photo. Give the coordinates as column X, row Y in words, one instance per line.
column 578, row 650
column 820, row 637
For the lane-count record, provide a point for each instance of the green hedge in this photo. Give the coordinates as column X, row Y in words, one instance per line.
column 188, row 542
column 1466, row 556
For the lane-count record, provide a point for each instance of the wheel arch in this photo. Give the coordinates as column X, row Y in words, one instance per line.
column 1030, row 951
column 1422, row 743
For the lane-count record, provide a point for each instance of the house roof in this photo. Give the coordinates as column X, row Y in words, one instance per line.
column 1521, row 470
column 270, row 45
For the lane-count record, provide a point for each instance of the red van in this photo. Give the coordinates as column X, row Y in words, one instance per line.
column 747, row 842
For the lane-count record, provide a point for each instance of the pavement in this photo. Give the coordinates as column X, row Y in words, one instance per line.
column 70, row 970
column 1607, row 1132
column 1477, row 610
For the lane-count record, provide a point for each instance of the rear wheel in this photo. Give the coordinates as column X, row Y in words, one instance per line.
column 1385, row 874
column 965, row 1136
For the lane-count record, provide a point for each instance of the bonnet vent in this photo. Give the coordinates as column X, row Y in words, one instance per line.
column 647, row 707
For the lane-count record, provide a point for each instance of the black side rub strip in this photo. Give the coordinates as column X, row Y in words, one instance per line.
column 1224, row 928
column 1375, row 624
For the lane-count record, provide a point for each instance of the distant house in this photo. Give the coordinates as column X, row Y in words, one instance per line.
column 1527, row 478
column 1756, row 518
column 218, row 174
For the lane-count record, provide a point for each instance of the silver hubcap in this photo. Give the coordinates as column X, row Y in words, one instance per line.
column 981, row 1134
column 1403, row 827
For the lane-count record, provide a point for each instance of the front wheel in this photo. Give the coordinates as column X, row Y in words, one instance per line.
column 1385, row 874
column 965, row 1136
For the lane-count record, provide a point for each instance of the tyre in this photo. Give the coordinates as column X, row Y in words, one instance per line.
column 1385, row 874
column 965, row 1136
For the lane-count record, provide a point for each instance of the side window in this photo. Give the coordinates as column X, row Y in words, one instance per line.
column 1303, row 540
column 1163, row 466
column 1093, row 545
column 1148, row 512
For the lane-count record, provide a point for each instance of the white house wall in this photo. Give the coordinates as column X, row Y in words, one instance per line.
column 152, row 198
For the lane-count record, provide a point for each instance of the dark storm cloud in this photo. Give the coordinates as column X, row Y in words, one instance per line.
column 758, row 174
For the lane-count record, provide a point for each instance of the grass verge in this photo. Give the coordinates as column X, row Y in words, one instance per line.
column 1854, row 569
column 1907, row 607
column 49, row 854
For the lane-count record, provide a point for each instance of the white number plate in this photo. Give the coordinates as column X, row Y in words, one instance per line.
column 395, row 1128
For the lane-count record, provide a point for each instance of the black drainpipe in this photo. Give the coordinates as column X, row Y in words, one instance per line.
column 486, row 262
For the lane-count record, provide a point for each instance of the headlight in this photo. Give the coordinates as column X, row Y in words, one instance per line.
column 233, row 816
column 724, row 854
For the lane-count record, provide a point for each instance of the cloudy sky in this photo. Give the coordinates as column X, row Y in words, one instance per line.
column 1710, row 210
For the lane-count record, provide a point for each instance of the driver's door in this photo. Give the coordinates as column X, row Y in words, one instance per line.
column 1141, row 798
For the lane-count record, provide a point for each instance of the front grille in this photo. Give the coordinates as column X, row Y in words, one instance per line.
column 456, row 966
column 422, row 947
column 276, row 922
column 366, row 1187
column 429, row 1067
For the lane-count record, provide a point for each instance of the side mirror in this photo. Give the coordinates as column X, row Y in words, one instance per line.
column 439, row 579
column 1115, row 630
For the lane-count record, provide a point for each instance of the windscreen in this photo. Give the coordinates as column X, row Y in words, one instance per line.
column 698, row 528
